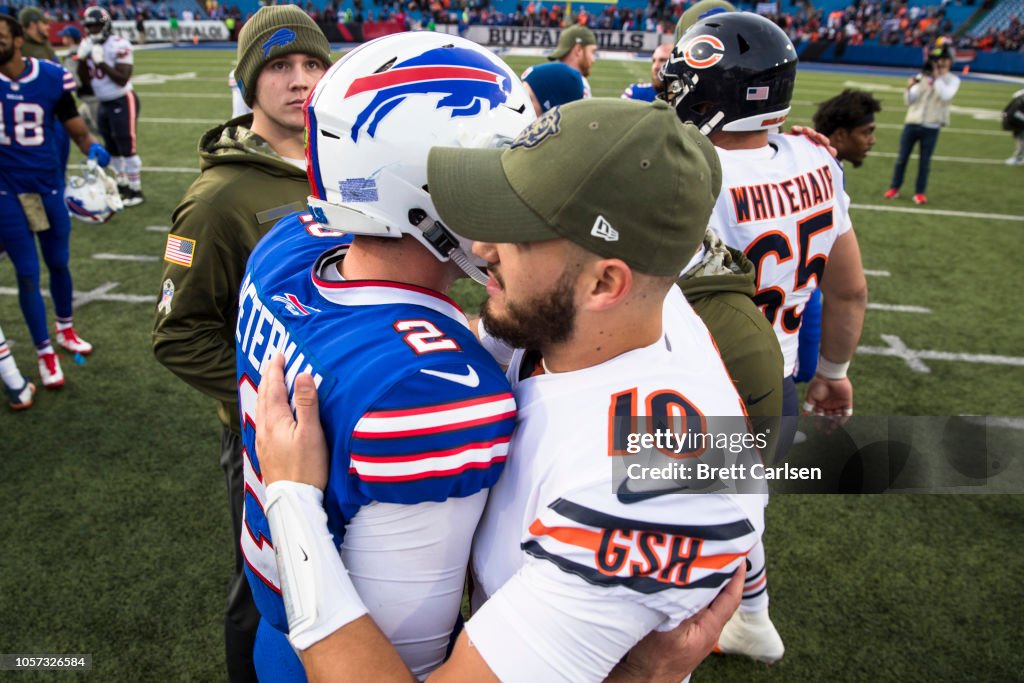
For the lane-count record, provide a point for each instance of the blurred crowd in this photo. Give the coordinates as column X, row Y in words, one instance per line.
column 887, row 22
column 891, row 23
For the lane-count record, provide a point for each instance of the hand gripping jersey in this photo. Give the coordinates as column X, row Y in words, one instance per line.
column 784, row 206
column 116, row 50
column 27, row 143
column 415, row 412
column 573, row 574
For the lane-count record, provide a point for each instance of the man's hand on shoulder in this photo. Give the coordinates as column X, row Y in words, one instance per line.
column 291, row 448
column 814, row 136
column 671, row 656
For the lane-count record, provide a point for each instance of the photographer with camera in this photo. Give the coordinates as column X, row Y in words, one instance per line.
column 928, row 97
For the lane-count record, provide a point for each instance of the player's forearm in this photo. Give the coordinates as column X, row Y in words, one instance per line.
column 115, row 73
column 356, row 652
column 842, row 321
column 845, row 293
column 79, row 132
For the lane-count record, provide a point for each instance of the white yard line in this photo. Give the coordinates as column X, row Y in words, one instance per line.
column 877, row 273
column 182, row 121
column 170, row 169
column 226, row 96
column 938, row 212
column 914, row 358
column 101, row 293
column 125, row 257
column 899, row 126
column 956, row 160
column 995, row 421
column 898, row 308
column 158, row 228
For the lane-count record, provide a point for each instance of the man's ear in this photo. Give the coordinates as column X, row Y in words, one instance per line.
column 839, row 137
column 605, row 283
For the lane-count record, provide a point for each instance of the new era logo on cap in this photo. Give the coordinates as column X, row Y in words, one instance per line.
column 604, row 230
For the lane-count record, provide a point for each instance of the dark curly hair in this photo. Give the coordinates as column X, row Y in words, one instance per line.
column 848, row 109
column 17, row 30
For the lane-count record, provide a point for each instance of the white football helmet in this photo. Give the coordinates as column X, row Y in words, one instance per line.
column 92, row 196
column 373, row 118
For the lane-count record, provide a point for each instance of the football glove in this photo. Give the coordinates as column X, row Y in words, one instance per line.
column 99, row 154
column 98, row 56
column 85, row 48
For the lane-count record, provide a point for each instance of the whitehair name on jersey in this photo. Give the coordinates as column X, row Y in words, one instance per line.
column 260, row 335
column 765, row 201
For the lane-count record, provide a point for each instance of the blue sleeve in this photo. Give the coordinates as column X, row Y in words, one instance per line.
column 440, row 432
column 810, row 339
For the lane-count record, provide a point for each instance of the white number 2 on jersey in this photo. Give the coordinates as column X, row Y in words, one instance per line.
column 424, row 337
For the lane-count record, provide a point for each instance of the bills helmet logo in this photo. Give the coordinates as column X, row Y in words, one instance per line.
column 281, row 37
column 293, row 305
column 703, row 52
column 464, row 79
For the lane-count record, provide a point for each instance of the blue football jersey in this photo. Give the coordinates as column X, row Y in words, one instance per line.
column 642, row 92
column 413, row 408
column 27, row 144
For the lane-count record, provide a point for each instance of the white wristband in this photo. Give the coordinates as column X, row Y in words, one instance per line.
column 830, row 370
column 319, row 597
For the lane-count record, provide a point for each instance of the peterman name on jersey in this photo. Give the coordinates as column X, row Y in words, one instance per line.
column 784, row 206
column 26, row 119
column 413, row 408
column 116, row 50
column 557, row 503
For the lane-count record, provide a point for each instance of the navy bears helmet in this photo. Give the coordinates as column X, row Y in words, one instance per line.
column 97, row 17
column 733, row 72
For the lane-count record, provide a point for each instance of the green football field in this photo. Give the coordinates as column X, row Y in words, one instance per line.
column 115, row 521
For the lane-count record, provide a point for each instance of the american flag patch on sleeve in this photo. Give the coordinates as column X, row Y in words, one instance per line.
column 180, row 250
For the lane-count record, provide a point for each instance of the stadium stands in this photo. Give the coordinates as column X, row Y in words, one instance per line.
column 999, row 18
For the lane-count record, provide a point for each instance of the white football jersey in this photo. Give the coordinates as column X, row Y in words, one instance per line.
column 585, row 573
column 116, row 50
column 784, row 206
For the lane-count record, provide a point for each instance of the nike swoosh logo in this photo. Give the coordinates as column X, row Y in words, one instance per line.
column 470, row 379
column 305, row 557
column 752, row 401
column 628, row 497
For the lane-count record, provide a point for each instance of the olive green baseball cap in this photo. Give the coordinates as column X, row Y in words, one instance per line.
column 697, row 12
column 29, row 14
column 570, row 38
column 621, row 179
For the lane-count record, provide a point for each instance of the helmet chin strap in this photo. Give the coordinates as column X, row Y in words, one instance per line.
column 442, row 241
column 462, row 261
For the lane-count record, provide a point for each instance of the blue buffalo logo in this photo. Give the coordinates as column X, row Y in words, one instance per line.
column 281, row 37
column 464, row 78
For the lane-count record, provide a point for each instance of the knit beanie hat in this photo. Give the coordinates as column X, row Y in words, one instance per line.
column 272, row 32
